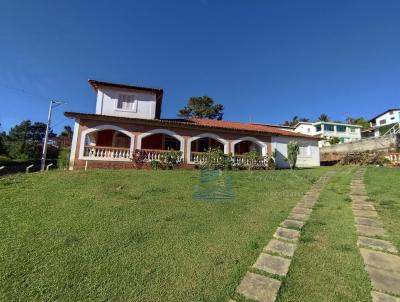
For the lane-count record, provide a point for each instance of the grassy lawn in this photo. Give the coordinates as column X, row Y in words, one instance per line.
column 139, row 236
column 327, row 265
column 383, row 189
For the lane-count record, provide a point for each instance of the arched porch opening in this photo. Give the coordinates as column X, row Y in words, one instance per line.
column 157, row 141
column 249, row 144
column 198, row 145
column 106, row 142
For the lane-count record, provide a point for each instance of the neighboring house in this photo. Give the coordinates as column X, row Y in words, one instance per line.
column 128, row 118
column 326, row 130
column 390, row 116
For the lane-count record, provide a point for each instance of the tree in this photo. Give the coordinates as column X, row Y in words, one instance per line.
column 25, row 140
column 66, row 133
column 2, row 142
column 295, row 120
column 202, row 107
column 360, row 121
column 293, row 151
column 324, row 118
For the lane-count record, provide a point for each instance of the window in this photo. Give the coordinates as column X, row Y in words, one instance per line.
column 304, row 150
column 341, row 128
column 391, row 112
column 329, row 128
column 127, row 102
column 171, row 143
column 318, row 128
column 353, row 130
column 392, row 118
column 308, row 130
column 382, row 122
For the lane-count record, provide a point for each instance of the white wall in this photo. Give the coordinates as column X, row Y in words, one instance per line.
column 279, row 143
column 305, row 128
column 389, row 118
column 107, row 103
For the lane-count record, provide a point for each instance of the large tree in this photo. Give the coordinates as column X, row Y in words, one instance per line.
column 324, row 118
column 360, row 121
column 25, row 140
column 295, row 120
column 2, row 142
column 202, row 107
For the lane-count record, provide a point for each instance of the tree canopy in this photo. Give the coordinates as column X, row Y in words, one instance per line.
column 360, row 121
column 202, row 107
column 24, row 141
column 324, row 118
column 295, row 120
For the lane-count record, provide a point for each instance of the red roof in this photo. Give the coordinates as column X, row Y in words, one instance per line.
column 197, row 123
column 246, row 127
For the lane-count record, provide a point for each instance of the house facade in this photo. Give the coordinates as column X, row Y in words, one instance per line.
column 128, row 119
column 326, row 130
column 389, row 117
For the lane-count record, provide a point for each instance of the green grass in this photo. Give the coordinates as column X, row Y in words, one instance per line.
column 139, row 236
column 383, row 189
column 327, row 265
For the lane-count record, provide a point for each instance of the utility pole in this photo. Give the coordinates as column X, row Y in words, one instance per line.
column 46, row 136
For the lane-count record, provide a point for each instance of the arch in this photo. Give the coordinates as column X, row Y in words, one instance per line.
column 210, row 135
column 105, row 127
column 162, row 131
column 261, row 144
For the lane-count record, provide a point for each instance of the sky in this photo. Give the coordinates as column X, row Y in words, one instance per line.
column 265, row 61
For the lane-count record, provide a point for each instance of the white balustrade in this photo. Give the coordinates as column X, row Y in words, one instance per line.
column 155, row 155
column 107, row 153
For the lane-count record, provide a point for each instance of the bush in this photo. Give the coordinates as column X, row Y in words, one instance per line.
column 216, row 159
column 63, row 158
column 170, row 159
column 155, row 164
column 365, row 158
column 293, row 151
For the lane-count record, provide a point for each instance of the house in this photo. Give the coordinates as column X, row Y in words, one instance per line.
column 128, row 118
column 389, row 117
column 326, row 130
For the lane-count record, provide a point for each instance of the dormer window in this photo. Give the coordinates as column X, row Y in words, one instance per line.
column 127, row 102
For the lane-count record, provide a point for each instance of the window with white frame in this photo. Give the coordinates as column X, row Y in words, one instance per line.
column 304, row 150
column 127, row 102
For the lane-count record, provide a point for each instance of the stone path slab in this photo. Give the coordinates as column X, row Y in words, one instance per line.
column 296, row 216
column 376, row 244
column 279, row 247
column 264, row 289
column 381, row 297
column 272, row 264
column 365, row 206
column 259, row 288
column 384, row 281
column 300, row 210
column 287, row 234
column 296, row 224
column 381, row 260
column 369, row 231
column 368, row 221
column 365, row 213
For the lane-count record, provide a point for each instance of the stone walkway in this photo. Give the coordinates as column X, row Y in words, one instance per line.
column 380, row 255
column 262, row 283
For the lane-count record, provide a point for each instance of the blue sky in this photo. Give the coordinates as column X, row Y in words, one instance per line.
column 265, row 61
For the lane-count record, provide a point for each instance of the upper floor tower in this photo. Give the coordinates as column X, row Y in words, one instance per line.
column 127, row 100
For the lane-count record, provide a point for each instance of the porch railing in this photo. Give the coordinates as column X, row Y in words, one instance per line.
column 154, row 154
column 107, row 153
column 237, row 160
column 242, row 160
column 394, row 158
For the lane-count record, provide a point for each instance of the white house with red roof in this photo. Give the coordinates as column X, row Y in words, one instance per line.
column 128, row 121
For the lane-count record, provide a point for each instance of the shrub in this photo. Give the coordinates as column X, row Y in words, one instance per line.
column 63, row 158
column 293, row 151
column 334, row 140
column 171, row 159
column 155, row 164
column 216, row 159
